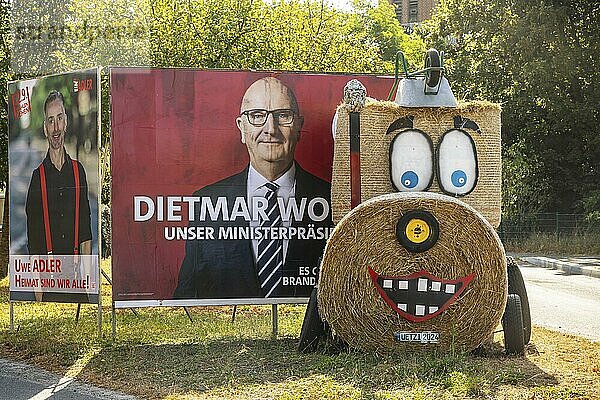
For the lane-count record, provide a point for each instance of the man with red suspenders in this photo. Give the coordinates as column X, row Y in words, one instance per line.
column 58, row 210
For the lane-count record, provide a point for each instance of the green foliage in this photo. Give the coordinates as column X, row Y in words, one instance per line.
column 591, row 203
column 286, row 35
column 591, row 208
column 5, row 75
column 103, row 33
column 104, row 158
column 382, row 25
column 519, row 166
column 36, row 31
column 539, row 59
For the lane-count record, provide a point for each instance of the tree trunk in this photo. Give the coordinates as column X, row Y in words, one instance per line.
column 4, row 238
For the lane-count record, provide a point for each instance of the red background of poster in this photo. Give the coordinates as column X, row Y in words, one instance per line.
column 173, row 132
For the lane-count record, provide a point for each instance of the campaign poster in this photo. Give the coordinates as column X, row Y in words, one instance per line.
column 221, row 183
column 54, row 187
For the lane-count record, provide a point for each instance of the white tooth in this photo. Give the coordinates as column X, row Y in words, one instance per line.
column 422, row 285
column 432, row 309
column 402, row 306
column 450, row 288
column 387, row 284
column 436, row 286
column 403, row 285
column 419, row 310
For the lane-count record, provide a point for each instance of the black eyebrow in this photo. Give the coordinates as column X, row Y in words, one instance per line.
column 401, row 123
column 466, row 123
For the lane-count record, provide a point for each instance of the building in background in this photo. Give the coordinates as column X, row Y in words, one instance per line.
column 413, row 12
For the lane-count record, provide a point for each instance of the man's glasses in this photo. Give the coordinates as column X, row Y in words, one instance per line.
column 258, row 117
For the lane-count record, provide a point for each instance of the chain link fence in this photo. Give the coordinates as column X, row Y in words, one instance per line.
column 520, row 227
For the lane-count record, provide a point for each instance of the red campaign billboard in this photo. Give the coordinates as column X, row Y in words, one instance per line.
column 220, row 182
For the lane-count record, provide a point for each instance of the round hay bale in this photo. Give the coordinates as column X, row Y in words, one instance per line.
column 467, row 246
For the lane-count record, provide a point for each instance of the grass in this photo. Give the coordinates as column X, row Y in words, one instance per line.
column 543, row 243
column 159, row 354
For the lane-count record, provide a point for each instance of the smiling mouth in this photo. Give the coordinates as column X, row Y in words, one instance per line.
column 420, row 296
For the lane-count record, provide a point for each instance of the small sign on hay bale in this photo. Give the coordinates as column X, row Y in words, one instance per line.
column 376, row 293
column 379, row 127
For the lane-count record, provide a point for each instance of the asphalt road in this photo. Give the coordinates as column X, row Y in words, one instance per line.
column 564, row 303
column 24, row 382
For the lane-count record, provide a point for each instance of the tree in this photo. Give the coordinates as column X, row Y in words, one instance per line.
column 537, row 58
column 388, row 35
column 5, row 76
column 249, row 34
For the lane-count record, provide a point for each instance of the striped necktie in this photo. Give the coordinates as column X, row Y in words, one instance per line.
column 269, row 260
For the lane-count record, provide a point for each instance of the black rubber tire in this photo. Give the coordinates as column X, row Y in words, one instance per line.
column 512, row 325
column 432, row 59
column 313, row 326
column 516, row 285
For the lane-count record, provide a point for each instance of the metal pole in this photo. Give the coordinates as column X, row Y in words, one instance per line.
column 187, row 312
column 100, row 310
column 114, row 322
column 274, row 319
column 12, row 318
column 77, row 313
column 110, row 283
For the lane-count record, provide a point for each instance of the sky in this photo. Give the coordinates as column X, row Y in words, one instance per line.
column 345, row 5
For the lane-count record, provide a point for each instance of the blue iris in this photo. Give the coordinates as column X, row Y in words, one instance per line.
column 459, row 178
column 409, row 179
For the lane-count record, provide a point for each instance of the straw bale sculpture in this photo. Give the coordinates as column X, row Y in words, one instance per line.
column 414, row 259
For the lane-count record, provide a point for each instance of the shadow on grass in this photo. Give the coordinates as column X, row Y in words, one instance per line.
column 159, row 352
column 242, row 365
column 52, row 342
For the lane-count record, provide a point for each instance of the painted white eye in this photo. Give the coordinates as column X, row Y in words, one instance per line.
column 457, row 163
column 334, row 124
column 411, row 161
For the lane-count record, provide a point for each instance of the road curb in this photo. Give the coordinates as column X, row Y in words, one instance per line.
column 565, row 266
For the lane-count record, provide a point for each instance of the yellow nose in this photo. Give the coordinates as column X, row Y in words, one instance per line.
column 417, row 230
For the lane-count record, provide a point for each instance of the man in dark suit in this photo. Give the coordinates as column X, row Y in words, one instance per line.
column 275, row 252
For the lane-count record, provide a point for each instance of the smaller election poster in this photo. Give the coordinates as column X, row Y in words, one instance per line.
column 54, row 187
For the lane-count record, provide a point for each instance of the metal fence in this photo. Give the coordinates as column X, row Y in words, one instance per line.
column 518, row 227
